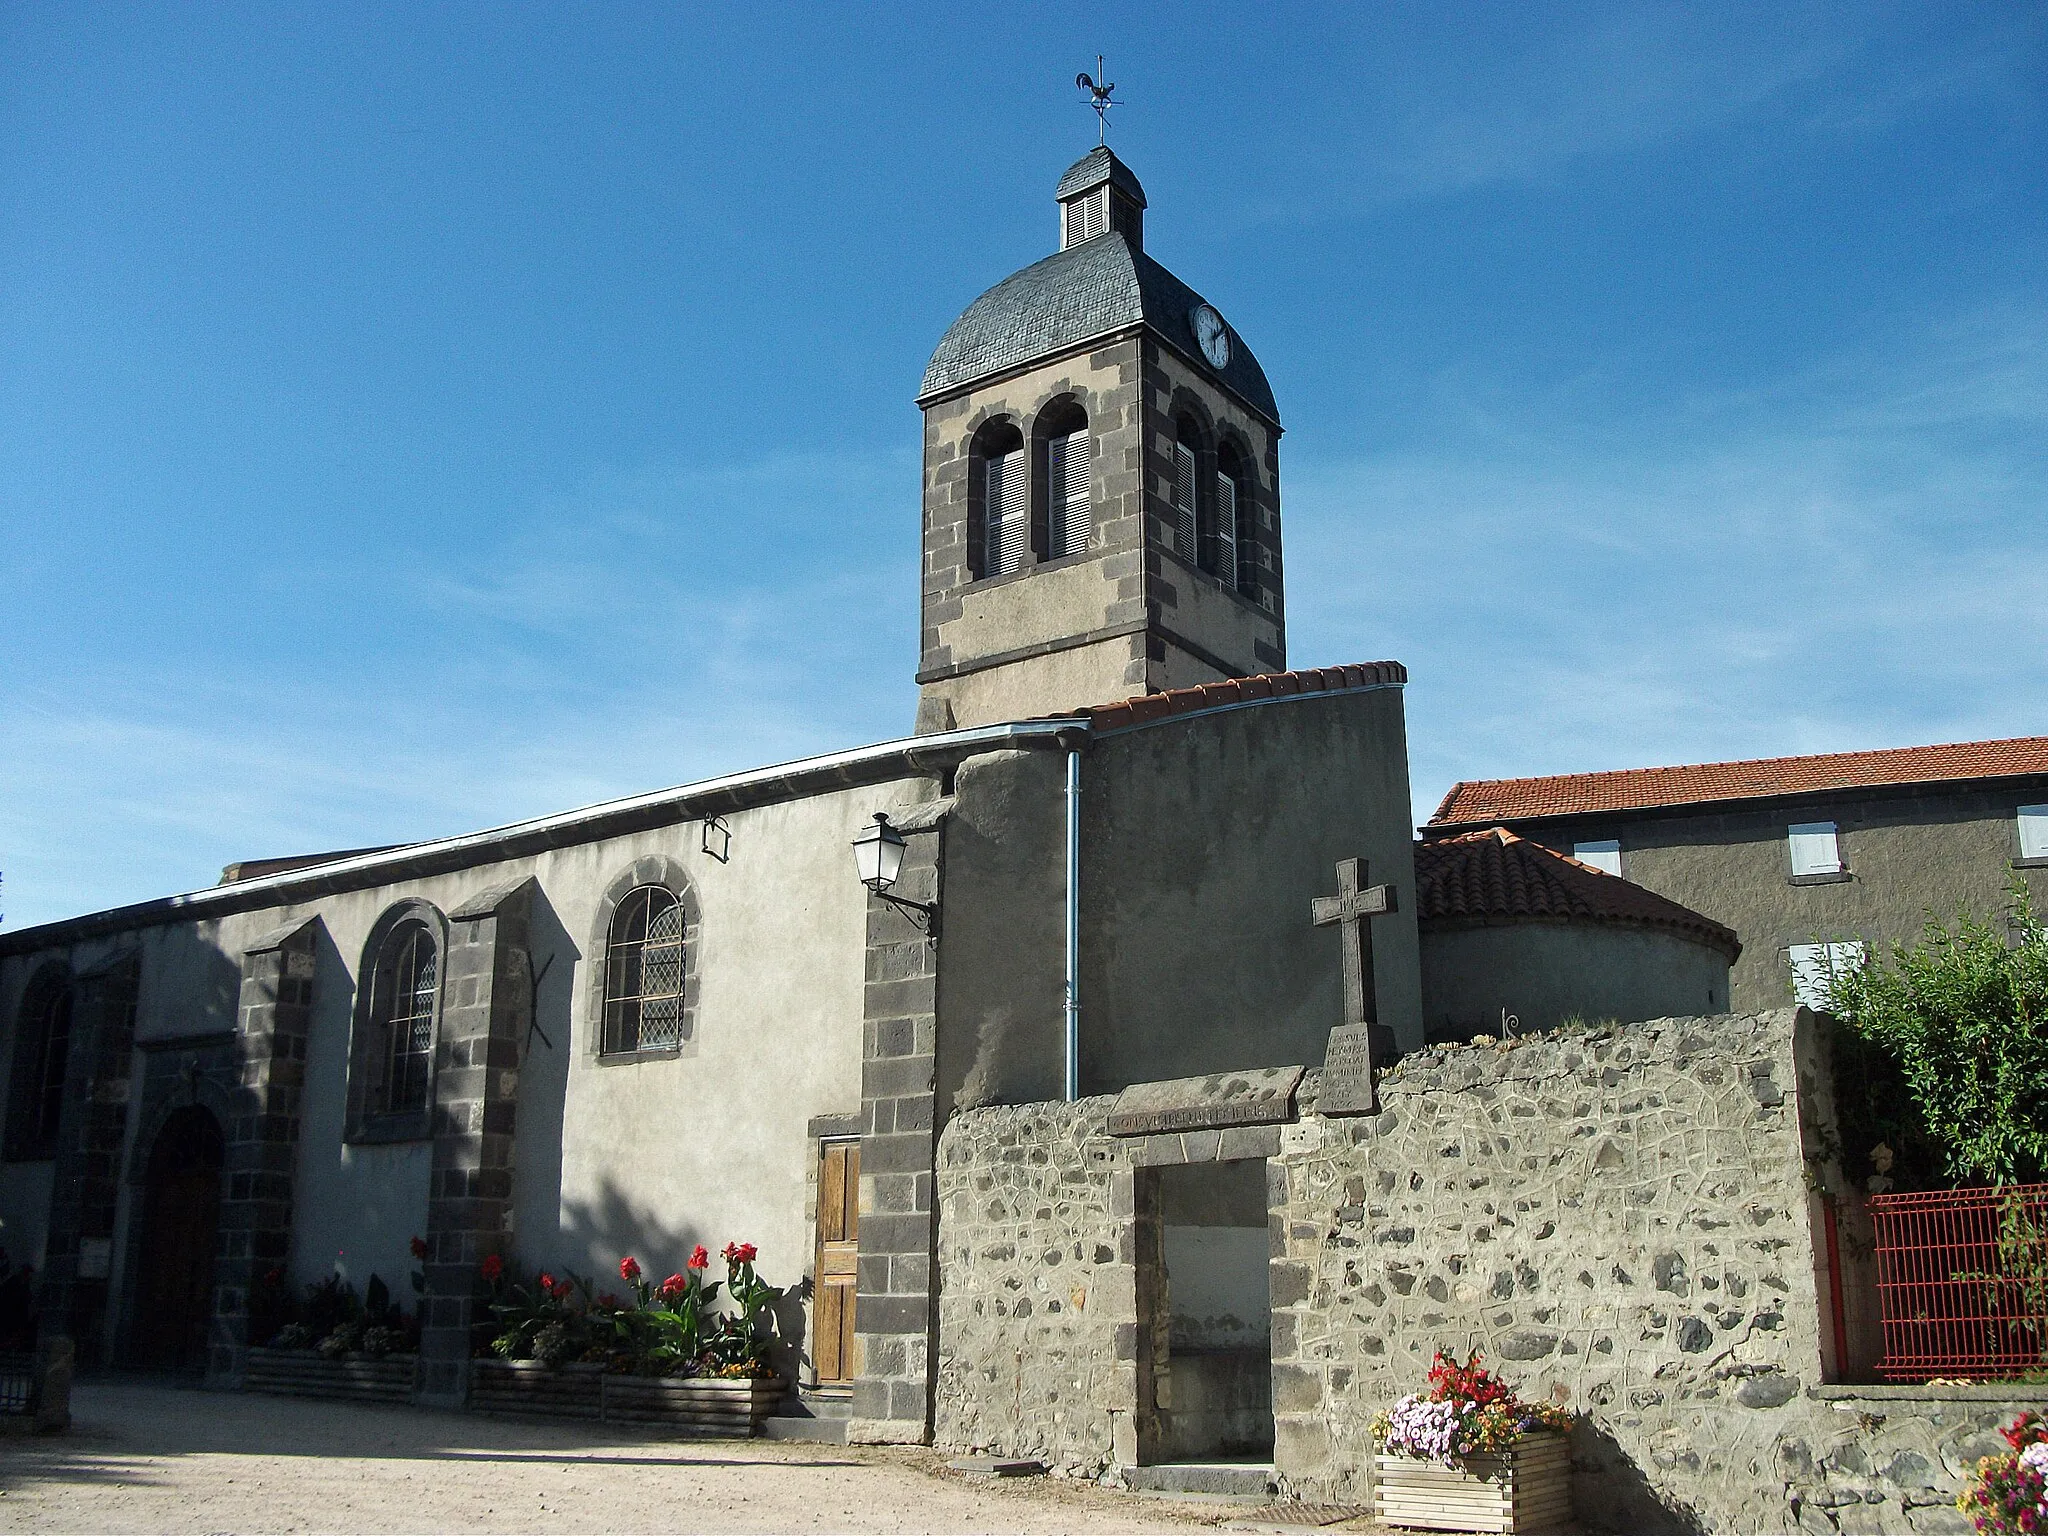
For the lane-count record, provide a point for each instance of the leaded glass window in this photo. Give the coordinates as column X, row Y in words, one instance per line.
column 643, row 992
column 402, row 1015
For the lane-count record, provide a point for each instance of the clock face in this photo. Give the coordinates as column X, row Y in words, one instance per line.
column 1211, row 334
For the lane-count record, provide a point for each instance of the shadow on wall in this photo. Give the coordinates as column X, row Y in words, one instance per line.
column 1611, row 1493
column 601, row 1232
column 544, row 1084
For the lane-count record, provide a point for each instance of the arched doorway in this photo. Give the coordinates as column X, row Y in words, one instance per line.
column 181, row 1212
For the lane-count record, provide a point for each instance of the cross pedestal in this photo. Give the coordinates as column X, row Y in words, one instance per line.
column 1357, row 1042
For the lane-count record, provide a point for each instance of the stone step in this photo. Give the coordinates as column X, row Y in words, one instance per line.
column 819, row 1403
column 819, row 1431
column 1243, row 1479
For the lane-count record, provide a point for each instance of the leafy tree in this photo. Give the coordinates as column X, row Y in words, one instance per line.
column 1964, row 1015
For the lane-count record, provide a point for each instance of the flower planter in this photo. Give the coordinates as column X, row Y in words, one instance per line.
column 302, row 1373
column 529, row 1387
column 697, row 1406
column 1528, row 1488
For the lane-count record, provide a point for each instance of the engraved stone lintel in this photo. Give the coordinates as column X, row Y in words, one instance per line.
column 1355, row 1050
column 1261, row 1096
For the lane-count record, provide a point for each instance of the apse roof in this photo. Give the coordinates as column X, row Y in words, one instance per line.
column 1089, row 290
column 1484, row 801
column 1481, row 879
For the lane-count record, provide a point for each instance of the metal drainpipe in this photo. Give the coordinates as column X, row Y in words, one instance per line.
column 1073, row 1004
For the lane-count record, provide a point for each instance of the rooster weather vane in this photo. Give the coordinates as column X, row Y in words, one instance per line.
column 1099, row 99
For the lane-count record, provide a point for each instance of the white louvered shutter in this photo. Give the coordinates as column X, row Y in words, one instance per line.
column 2034, row 831
column 1009, row 514
column 1814, row 848
column 1184, row 501
column 1226, row 531
column 1068, row 493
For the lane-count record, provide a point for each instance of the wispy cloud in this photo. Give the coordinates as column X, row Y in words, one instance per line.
column 1842, row 559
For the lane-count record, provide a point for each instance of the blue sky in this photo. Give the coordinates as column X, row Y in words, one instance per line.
column 417, row 418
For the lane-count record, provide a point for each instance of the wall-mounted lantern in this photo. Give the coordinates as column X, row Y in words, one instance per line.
column 878, row 858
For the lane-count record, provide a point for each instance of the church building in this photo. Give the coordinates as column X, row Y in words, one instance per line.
column 1122, row 844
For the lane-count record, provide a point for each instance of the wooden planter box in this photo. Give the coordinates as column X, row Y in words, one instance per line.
column 732, row 1409
column 302, row 1373
column 527, row 1386
column 1527, row 1489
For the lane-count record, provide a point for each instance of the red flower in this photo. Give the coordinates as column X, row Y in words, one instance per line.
column 275, row 1277
column 700, row 1257
column 419, row 1248
column 740, row 1253
column 2025, row 1430
column 674, row 1285
column 547, row 1282
column 608, row 1301
column 493, row 1268
column 629, row 1269
column 560, row 1290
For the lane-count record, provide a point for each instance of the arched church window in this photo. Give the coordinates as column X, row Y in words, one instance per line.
column 999, row 502
column 1069, row 481
column 1187, row 456
column 401, row 1019
column 43, row 1051
column 643, row 992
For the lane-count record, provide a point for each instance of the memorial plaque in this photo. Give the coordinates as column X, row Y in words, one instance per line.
column 1264, row 1096
column 1355, row 1049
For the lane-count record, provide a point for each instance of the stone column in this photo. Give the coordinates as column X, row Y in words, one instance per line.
column 894, row 1316
column 272, row 1021
column 94, row 1124
column 486, row 1005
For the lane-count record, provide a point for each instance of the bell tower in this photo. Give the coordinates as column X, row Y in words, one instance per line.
column 1101, row 482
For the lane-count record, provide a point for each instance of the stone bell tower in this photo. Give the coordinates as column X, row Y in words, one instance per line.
column 1101, row 482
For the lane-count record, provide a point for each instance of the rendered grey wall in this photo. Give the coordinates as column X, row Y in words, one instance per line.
column 1907, row 852
column 1545, row 973
column 1204, row 842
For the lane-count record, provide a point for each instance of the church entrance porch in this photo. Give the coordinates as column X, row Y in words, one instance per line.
column 181, row 1214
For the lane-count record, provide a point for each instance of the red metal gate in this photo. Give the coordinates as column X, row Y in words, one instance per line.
column 1962, row 1281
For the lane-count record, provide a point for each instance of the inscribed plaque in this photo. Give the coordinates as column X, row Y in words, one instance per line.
column 1264, row 1096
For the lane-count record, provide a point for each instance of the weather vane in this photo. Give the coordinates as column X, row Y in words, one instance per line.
column 1099, row 99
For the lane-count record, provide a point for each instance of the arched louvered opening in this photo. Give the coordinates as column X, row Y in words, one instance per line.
column 644, row 972
column 42, row 1053
column 1233, row 555
column 1190, row 449
column 998, row 501
column 1066, row 458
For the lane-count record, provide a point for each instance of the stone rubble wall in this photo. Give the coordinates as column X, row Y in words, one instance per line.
column 1625, row 1220
column 1038, row 1286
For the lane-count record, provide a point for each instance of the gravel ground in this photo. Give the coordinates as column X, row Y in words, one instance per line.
column 144, row 1456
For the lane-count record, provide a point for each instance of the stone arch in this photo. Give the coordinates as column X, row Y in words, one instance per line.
column 650, row 869
column 989, row 433
column 51, row 986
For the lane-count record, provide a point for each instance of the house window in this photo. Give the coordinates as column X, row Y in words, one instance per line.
column 643, row 992
column 40, row 1060
column 1069, row 487
column 1815, row 966
column 1186, row 482
column 1814, row 849
column 1603, row 854
column 401, row 1019
column 1087, row 215
column 1235, row 548
column 1009, row 513
column 2034, row 831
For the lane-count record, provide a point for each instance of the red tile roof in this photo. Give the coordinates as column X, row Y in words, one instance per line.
column 1482, row 802
column 1240, row 690
column 1484, row 878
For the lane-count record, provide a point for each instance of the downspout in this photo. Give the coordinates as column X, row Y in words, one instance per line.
column 1073, row 1003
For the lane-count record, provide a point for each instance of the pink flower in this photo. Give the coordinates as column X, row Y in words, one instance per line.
column 740, row 1253
column 674, row 1285
column 700, row 1257
column 629, row 1269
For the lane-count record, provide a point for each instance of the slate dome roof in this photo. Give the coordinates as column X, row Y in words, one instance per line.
column 1087, row 290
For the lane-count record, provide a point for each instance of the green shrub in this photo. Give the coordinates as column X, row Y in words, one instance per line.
column 1963, row 1014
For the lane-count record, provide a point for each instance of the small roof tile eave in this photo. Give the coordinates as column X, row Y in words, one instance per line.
column 1480, row 803
column 1493, row 878
column 1236, row 692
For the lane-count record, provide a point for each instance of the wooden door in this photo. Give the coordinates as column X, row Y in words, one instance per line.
column 838, row 1249
column 181, row 1213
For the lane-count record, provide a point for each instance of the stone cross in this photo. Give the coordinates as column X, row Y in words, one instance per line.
column 1349, row 909
column 1347, row 1083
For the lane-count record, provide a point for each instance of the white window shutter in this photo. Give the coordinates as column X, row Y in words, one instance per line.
column 1603, row 854
column 1814, row 848
column 2034, row 831
column 1009, row 516
column 1815, row 966
column 1068, row 493
column 1184, row 501
column 1226, row 531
